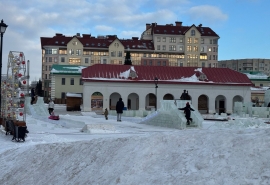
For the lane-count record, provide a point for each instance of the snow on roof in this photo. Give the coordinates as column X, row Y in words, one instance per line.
column 73, row 95
column 256, row 76
column 67, row 69
column 126, row 74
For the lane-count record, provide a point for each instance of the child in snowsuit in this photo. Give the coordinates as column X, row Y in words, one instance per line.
column 106, row 114
column 187, row 110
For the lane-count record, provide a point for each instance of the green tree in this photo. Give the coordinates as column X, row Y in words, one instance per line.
column 39, row 88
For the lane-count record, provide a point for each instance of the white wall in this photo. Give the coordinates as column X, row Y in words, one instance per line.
column 143, row 89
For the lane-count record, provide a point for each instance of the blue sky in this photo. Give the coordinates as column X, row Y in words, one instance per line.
column 242, row 25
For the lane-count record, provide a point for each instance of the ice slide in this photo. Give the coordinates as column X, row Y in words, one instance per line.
column 39, row 111
column 169, row 115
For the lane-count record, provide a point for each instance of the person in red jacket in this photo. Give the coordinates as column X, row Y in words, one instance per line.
column 187, row 110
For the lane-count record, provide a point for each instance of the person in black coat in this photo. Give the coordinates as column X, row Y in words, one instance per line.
column 184, row 95
column 32, row 96
column 119, row 109
column 187, row 110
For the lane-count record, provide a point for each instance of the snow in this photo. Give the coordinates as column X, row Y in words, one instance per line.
column 73, row 95
column 128, row 153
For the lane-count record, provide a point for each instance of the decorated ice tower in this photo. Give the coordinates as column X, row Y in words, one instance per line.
column 14, row 88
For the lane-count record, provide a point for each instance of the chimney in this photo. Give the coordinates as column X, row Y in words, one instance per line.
column 147, row 26
column 154, row 24
column 135, row 38
column 58, row 34
column 86, row 35
column 78, row 35
column 178, row 23
column 200, row 25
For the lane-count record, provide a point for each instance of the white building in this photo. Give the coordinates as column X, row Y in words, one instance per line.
column 212, row 90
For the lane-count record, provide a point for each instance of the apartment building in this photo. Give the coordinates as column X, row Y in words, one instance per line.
column 247, row 65
column 159, row 45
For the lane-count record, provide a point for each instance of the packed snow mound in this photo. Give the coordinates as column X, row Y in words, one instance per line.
column 184, row 157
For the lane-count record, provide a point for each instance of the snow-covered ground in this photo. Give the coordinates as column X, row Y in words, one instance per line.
column 128, row 153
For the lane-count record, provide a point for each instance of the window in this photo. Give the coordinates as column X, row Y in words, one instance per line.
column 158, row 47
column 181, row 40
column 202, row 49
column 46, row 76
column 50, row 68
column 164, row 39
column 150, row 63
column 55, row 59
column 202, row 41
column 164, row 63
column 203, row 64
column 158, row 39
column 104, row 61
column 119, row 53
column 78, row 52
column 209, row 57
column 181, row 48
column 192, row 33
column 189, row 40
column 164, row 47
column 72, row 81
column 145, row 62
column 215, row 41
column 63, row 95
column 113, row 53
column 209, row 49
column 196, row 41
column 62, row 59
column 86, row 60
column 63, row 81
column 50, row 59
column 214, row 57
column 54, row 51
column 195, row 48
column 120, row 62
column 188, row 48
column 181, row 64
column 81, row 82
column 158, row 63
column 210, row 41
column 71, row 51
column 172, row 39
column 172, row 48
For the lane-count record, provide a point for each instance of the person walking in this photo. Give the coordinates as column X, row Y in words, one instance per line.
column 187, row 110
column 119, row 109
column 51, row 106
column 106, row 114
column 32, row 96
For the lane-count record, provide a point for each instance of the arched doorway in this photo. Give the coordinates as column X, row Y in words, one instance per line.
column 203, row 104
column 114, row 97
column 168, row 97
column 133, row 101
column 96, row 101
column 220, row 104
column 150, row 101
column 236, row 99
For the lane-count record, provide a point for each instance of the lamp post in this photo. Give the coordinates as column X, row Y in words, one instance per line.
column 156, row 83
column 3, row 28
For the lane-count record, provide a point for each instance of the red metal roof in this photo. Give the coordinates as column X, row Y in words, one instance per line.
column 100, row 42
column 170, row 29
column 165, row 74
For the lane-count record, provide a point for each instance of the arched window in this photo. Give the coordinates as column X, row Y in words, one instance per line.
column 192, row 32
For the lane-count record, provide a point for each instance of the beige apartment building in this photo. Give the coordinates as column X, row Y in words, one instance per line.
column 247, row 65
column 159, row 45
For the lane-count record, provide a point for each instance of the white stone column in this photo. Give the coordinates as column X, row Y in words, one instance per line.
column 211, row 104
column 229, row 105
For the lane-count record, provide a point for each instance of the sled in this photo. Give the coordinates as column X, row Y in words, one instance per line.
column 54, row 117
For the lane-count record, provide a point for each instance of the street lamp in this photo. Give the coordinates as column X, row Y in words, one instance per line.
column 156, row 83
column 3, row 28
